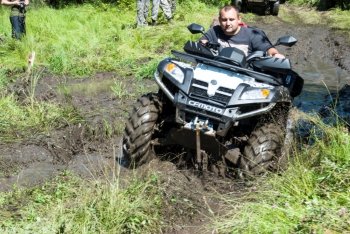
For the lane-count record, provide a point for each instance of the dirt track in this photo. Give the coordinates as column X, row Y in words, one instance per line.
column 321, row 54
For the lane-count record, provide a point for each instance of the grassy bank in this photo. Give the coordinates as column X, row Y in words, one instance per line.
column 312, row 196
column 85, row 39
column 79, row 41
column 72, row 205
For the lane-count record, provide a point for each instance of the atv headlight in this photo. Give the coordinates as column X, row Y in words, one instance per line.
column 252, row 94
column 175, row 72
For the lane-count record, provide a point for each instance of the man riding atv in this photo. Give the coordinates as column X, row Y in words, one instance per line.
column 230, row 33
column 217, row 110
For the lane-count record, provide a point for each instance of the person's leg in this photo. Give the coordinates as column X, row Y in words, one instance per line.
column 173, row 6
column 155, row 10
column 141, row 21
column 164, row 4
column 16, row 28
column 146, row 9
column 22, row 25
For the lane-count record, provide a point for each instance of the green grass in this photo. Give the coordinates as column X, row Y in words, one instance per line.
column 82, row 40
column 311, row 196
column 78, row 41
column 334, row 18
column 71, row 205
column 18, row 122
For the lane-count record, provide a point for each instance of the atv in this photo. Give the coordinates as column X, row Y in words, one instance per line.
column 264, row 7
column 216, row 110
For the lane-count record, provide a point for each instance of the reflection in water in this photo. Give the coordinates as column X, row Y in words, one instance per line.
column 322, row 81
column 326, row 92
column 312, row 98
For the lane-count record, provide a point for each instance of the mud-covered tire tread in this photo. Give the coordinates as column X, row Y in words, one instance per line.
column 263, row 149
column 139, row 129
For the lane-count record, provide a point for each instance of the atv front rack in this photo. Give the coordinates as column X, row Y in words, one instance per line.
column 198, row 59
column 235, row 116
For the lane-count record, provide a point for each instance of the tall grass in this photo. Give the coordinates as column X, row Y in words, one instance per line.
column 312, row 196
column 18, row 121
column 71, row 205
column 85, row 39
column 82, row 40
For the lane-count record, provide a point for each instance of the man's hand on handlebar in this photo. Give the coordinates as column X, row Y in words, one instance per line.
column 211, row 45
column 274, row 53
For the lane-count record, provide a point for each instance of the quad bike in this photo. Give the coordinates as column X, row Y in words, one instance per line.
column 217, row 109
column 262, row 6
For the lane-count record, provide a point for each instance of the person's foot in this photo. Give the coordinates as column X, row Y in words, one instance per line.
column 141, row 25
column 170, row 21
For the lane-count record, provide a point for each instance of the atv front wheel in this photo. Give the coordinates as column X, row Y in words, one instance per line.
column 264, row 150
column 139, row 129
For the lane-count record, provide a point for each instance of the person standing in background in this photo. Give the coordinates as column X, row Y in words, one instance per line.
column 142, row 12
column 17, row 16
column 166, row 8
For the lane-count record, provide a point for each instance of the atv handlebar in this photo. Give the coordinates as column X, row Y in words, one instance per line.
column 212, row 45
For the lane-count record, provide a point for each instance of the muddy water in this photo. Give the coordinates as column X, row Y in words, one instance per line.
column 321, row 80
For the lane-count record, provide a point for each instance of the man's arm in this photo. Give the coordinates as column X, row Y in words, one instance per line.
column 11, row 3
column 260, row 41
column 210, row 35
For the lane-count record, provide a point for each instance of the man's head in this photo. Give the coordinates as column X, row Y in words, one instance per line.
column 229, row 20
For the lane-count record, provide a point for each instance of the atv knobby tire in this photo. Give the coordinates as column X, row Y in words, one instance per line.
column 264, row 150
column 274, row 8
column 139, row 129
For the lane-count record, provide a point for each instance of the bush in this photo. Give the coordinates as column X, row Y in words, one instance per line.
column 324, row 4
column 62, row 3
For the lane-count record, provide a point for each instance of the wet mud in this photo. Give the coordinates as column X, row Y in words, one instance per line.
column 89, row 150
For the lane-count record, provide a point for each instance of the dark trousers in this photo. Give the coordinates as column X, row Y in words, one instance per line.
column 18, row 26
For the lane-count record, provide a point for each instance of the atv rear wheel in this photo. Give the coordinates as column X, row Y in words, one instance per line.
column 264, row 150
column 274, row 8
column 139, row 129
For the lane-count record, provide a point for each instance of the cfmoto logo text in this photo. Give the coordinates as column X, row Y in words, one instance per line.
column 205, row 107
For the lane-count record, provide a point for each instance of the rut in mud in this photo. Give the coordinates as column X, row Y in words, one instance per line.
column 320, row 57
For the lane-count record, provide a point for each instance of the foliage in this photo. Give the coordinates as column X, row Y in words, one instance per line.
column 124, row 4
column 18, row 121
column 324, row 4
column 217, row 2
column 71, row 205
column 311, row 196
column 81, row 40
column 341, row 20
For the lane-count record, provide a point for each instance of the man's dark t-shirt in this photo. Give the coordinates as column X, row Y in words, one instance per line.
column 248, row 39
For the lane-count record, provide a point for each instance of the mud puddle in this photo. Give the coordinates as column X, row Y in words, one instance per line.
column 88, row 149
